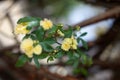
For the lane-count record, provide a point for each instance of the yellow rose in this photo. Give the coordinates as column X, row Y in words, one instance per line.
column 46, row 24
column 65, row 46
column 27, row 47
column 74, row 41
column 21, row 28
column 68, row 40
column 69, row 43
column 37, row 49
column 73, row 46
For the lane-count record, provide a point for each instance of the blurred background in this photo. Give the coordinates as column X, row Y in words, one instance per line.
column 99, row 18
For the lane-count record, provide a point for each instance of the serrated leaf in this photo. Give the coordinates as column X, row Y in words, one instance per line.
column 84, row 59
column 49, row 40
column 27, row 19
column 26, row 36
column 36, row 61
column 76, row 63
column 21, row 61
column 84, row 71
column 90, row 62
column 79, row 52
column 78, row 39
column 32, row 22
column 50, row 59
column 84, row 43
column 46, row 47
column 83, row 34
column 70, row 61
column 70, row 54
column 42, row 56
column 52, row 30
column 76, row 70
column 59, row 55
column 68, row 33
column 39, row 33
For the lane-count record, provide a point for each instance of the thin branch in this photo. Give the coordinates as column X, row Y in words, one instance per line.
column 113, row 13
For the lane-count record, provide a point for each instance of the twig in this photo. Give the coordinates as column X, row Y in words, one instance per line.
column 113, row 13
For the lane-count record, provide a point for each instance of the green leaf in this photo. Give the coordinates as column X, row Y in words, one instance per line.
column 76, row 63
column 70, row 54
column 26, row 36
column 52, row 30
column 39, row 33
column 79, row 52
column 49, row 40
column 90, row 62
column 32, row 22
column 42, row 56
column 36, row 61
column 76, row 70
column 50, row 59
column 78, row 39
column 70, row 61
column 27, row 19
column 68, row 33
column 59, row 55
column 22, row 60
column 84, row 59
column 83, row 34
column 84, row 71
column 46, row 47
column 84, row 43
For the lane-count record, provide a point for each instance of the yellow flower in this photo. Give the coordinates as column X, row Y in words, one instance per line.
column 37, row 49
column 74, row 43
column 21, row 28
column 60, row 33
column 65, row 46
column 68, row 40
column 46, row 24
column 27, row 47
column 73, row 46
column 69, row 43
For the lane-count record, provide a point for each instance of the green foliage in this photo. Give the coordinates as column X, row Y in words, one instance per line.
column 81, row 70
column 84, row 43
column 59, row 54
column 83, row 34
column 50, row 58
column 42, row 56
column 32, row 21
column 36, row 61
column 47, row 38
column 52, row 30
column 46, row 47
column 22, row 60
column 39, row 33
column 68, row 32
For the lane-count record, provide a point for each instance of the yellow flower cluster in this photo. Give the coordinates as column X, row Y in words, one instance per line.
column 29, row 49
column 21, row 28
column 69, row 43
column 46, row 24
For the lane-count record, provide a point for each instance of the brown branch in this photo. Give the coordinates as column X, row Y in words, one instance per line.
column 107, row 64
column 113, row 13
